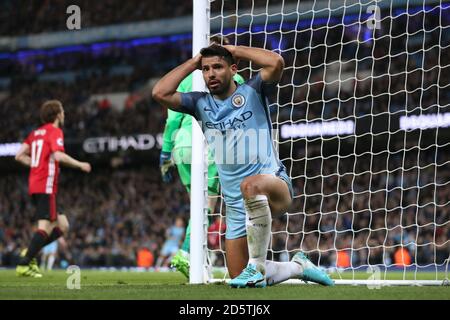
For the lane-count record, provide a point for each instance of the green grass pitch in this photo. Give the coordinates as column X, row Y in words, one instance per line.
column 172, row 286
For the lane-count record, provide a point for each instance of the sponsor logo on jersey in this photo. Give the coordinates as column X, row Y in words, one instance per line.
column 60, row 142
column 232, row 123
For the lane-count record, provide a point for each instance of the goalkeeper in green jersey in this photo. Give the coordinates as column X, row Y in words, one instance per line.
column 176, row 150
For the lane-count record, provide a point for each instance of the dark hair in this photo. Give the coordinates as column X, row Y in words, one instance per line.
column 50, row 110
column 219, row 39
column 216, row 50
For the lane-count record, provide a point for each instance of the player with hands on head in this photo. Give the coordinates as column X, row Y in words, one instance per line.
column 177, row 150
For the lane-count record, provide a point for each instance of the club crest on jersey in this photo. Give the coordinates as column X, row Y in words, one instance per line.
column 238, row 100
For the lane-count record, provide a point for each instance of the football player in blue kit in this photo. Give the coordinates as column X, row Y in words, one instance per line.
column 236, row 123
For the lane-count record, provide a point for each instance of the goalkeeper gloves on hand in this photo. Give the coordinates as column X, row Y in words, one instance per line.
column 165, row 163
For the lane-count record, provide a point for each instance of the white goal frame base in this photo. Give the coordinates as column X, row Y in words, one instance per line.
column 369, row 283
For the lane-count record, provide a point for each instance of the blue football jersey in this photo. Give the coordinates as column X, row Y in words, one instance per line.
column 239, row 133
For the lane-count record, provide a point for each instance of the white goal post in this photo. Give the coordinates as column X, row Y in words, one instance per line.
column 363, row 121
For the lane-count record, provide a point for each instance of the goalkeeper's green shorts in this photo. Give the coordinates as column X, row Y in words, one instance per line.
column 182, row 158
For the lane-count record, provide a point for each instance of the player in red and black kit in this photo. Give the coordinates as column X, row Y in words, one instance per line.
column 42, row 151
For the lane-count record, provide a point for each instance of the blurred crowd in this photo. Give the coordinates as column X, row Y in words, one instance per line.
column 81, row 80
column 93, row 117
column 112, row 214
column 358, row 199
column 34, row 16
column 339, row 75
column 390, row 201
column 370, row 215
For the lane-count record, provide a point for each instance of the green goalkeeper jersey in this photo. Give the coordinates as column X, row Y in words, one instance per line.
column 181, row 121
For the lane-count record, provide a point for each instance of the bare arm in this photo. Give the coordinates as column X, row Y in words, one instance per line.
column 23, row 155
column 67, row 160
column 272, row 63
column 165, row 90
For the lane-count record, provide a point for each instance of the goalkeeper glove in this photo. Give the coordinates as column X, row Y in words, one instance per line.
column 165, row 163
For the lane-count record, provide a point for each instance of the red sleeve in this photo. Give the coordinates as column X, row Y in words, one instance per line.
column 57, row 141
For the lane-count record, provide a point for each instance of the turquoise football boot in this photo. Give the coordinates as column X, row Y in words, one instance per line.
column 249, row 278
column 311, row 273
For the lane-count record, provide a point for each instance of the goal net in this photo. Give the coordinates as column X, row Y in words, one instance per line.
column 362, row 115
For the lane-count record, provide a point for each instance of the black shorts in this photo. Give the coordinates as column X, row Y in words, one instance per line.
column 46, row 208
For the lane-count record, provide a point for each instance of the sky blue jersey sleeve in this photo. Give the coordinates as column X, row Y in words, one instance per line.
column 189, row 102
column 262, row 87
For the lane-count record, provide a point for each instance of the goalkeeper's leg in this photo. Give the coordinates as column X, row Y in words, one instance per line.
column 181, row 260
column 182, row 157
column 186, row 246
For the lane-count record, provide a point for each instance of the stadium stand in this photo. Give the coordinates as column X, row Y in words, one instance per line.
column 116, row 211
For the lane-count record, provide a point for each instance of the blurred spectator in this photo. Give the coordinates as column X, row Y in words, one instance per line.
column 34, row 16
column 50, row 254
column 145, row 258
column 216, row 231
column 343, row 259
column 174, row 237
column 402, row 257
column 216, row 238
column 104, row 105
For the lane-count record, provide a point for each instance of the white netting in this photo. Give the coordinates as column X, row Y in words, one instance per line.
column 363, row 117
